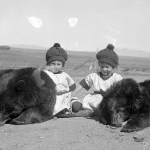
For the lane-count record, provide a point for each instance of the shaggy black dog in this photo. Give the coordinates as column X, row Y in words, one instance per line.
column 128, row 101
column 27, row 96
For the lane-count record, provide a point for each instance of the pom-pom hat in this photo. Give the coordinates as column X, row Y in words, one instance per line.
column 56, row 53
column 108, row 56
column 57, row 45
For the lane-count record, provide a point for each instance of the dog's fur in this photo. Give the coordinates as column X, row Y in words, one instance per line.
column 128, row 101
column 27, row 96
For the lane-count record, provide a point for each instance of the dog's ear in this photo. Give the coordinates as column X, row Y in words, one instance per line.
column 136, row 101
column 20, row 86
column 135, row 93
column 136, row 104
column 132, row 89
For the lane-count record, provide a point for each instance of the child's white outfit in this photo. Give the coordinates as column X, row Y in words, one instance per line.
column 63, row 81
column 99, row 86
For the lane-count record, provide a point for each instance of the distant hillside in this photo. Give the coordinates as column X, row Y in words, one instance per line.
column 22, row 46
column 77, row 64
column 4, row 47
column 132, row 53
column 120, row 52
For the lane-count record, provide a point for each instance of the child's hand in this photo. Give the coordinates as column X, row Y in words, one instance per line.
column 62, row 85
column 61, row 89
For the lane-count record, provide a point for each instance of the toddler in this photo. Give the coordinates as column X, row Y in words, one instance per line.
column 100, row 81
column 56, row 58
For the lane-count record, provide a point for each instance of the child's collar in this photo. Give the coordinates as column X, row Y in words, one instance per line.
column 105, row 77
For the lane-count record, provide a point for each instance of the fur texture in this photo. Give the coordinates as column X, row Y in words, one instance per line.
column 128, row 101
column 27, row 96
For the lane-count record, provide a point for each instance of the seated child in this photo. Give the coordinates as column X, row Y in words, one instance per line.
column 56, row 58
column 99, row 81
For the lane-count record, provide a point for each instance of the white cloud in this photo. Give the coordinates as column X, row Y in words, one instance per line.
column 72, row 22
column 34, row 21
column 113, row 30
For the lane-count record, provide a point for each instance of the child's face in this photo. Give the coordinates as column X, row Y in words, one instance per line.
column 55, row 66
column 105, row 69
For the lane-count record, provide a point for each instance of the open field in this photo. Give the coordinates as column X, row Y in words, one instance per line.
column 77, row 65
column 72, row 133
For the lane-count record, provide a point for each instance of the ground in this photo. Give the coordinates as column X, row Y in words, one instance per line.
column 71, row 134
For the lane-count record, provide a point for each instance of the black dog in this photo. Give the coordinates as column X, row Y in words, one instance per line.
column 128, row 101
column 27, row 96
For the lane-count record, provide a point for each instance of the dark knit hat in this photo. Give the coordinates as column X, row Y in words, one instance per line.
column 56, row 53
column 108, row 55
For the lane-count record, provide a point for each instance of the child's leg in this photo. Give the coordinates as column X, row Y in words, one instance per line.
column 92, row 101
column 86, row 100
column 62, row 102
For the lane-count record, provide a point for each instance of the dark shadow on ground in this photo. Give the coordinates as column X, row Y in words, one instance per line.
column 86, row 113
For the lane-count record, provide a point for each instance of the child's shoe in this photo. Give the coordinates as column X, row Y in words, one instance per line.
column 75, row 104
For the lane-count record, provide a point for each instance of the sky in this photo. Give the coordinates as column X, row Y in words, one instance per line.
column 80, row 25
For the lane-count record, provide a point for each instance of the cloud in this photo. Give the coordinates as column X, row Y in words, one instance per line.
column 34, row 21
column 113, row 30
column 110, row 22
column 72, row 22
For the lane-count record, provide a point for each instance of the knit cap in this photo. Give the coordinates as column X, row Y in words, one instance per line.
column 56, row 53
column 108, row 55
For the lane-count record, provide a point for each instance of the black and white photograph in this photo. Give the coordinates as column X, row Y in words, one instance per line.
column 74, row 74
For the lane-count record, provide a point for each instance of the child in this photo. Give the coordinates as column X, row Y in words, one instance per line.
column 56, row 58
column 100, row 81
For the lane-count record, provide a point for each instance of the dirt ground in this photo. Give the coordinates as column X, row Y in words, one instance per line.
column 71, row 134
